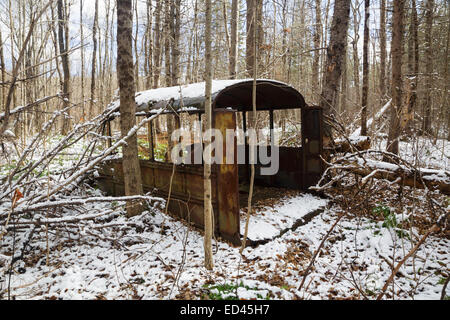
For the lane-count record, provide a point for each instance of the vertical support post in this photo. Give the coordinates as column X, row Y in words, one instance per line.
column 271, row 142
column 109, row 133
column 312, row 145
column 150, row 140
column 272, row 137
column 247, row 156
column 227, row 182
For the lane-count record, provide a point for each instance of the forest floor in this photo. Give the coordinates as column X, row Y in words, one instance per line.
column 153, row 256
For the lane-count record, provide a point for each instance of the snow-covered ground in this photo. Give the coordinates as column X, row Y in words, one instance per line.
column 157, row 264
column 422, row 152
column 153, row 256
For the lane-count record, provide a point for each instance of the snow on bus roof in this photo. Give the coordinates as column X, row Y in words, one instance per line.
column 186, row 98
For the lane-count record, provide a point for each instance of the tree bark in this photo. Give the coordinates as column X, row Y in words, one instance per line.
column 397, row 83
column 365, row 88
column 83, row 112
column 413, row 64
column 176, row 25
column 63, row 50
column 131, row 167
column 333, row 67
column 316, row 39
column 234, row 38
column 94, row 62
column 426, row 124
column 157, row 49
column 208, row 214
column 382, row 84
column 167, row 40
column 254, row 20
column 149, row 47
column 355, row 53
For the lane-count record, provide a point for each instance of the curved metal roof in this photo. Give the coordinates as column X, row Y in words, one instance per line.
column 226, row 94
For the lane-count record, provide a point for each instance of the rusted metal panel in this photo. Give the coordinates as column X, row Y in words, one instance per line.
column 227, row 182
column 289, row 175
column 187, row 187
column 312, row 142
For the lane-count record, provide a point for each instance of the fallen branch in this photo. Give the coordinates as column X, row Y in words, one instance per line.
column 400, row 171
column 433, row 229
column 81, row 201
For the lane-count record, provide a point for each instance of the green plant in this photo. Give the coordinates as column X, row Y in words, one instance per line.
column 390, row 220
column 228, row 292
column 160, row 151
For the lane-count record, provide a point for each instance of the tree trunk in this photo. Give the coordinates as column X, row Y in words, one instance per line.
column 2, row 65
column 149, row 47
column 167, row 27
column 355, row 53
column 83, row 112
column 63, row 50
column 208, row 214
column 316, row 38
column 157, row 49
column 382, row 85
column 234, row 38
column 176, row 25
column 333, row 67
column 92, row 104
column 254, row 9
column 365, row 88
column 131, row 167
column 397, row 83
column 426, row 124
column 413, row 64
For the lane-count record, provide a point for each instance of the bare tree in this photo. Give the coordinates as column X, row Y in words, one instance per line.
column 335, row 56
column 167, row 41
column 254, row 20
column 63, row 50
column 157, row 48
column 382, row 82
column 426, row 124
column 94, row 61
column 397, row 83
column 365, row 87
column 234, row 38
column 316, row 37
column 208, row 214
column 175, row 35
column 131, row 167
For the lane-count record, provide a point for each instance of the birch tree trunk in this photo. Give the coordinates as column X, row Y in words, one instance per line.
column 131, row 167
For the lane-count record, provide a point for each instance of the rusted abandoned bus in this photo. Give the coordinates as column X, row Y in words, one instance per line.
column 299, row 166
